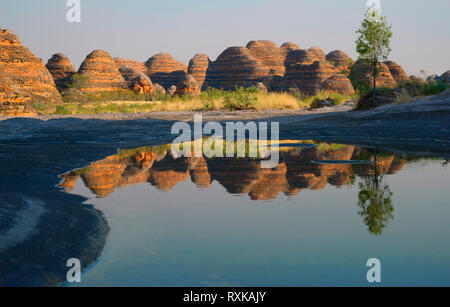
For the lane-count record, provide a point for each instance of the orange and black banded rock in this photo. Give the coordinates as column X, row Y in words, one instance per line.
column 137, row 81
column 288, row 47
column 102, row 73
column 339, row 84
column 187, row 87
column 433, row 78
column 308, row 77
column 301, row 56
column 269, row 55
column 340, row 60
column 136, row 65
column 362, row 74
column 397, row 71
column 198, row 68
column 23, row 78
column 236, row 66
column 61, row 69
column 318, row 53
column 163, row 69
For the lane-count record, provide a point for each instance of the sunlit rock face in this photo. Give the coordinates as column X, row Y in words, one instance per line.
column 137, row 81
column 102, row 73
column 188, row 86
column 339, row 84
column 23, row 78
column 397, row 72
column 61, row 69
column 269, row 55
column 289, row 46
column 362, row 73
column 296, row 171
column 163, row 69
column 341, row 61
column 198, row 68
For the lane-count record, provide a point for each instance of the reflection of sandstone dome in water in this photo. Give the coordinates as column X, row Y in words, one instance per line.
column 102, row 73
column 23, row 78
column 200, row 174
column 340, row 84
column 198, row 67
column 61, row 69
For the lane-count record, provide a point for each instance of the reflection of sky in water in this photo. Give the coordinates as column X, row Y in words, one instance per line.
column 208, row 237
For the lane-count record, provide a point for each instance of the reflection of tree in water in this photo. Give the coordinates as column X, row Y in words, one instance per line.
column 375, row 202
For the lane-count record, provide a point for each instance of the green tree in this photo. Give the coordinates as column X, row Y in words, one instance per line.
column 375, row 202
column 79, row 81
column 373, row 43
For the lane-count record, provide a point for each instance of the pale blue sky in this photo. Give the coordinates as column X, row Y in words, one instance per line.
column 137, row 29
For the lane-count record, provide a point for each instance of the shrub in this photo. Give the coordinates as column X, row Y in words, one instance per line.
column 240, row 99
column 434, row 88
column 79, row 81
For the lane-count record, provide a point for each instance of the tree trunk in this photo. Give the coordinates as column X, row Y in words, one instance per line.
column 375, row 64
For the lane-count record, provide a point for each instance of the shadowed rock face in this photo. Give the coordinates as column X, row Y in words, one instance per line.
column 340, row 60
column 162, row 68
column 295, row 171
column 300, row 56
column 269, row 55
column 137, row 81
column 397, row 71
column 61, row 69
column 308, row 77
column 446, row 76
column 23, row 78
column 198, row 68
column 102, row 73
column 340, row 84
column 363, row 73
column 236, row 66
column 136, row 65
column 187, row 87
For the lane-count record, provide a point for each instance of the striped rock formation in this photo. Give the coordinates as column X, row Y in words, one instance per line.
column 416, row 79
column 340, row 60
column 136, row 65
column 157, row 88
column 236, row 66
column 137, row 81
column 269, row 55
column 397, row 71
column 102, row 73
column 61, row 69
column 340, row 84
column 198, row 68
column 288, row 46
column 308, row 77
column 301, row 56
column 162, row 68
column 362, row 73
column 433, row 78
column 187, row 87
column 446, row 76
column 23, row 78
column 318, row 53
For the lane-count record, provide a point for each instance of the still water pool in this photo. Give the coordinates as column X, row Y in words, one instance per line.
column 228, row 222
